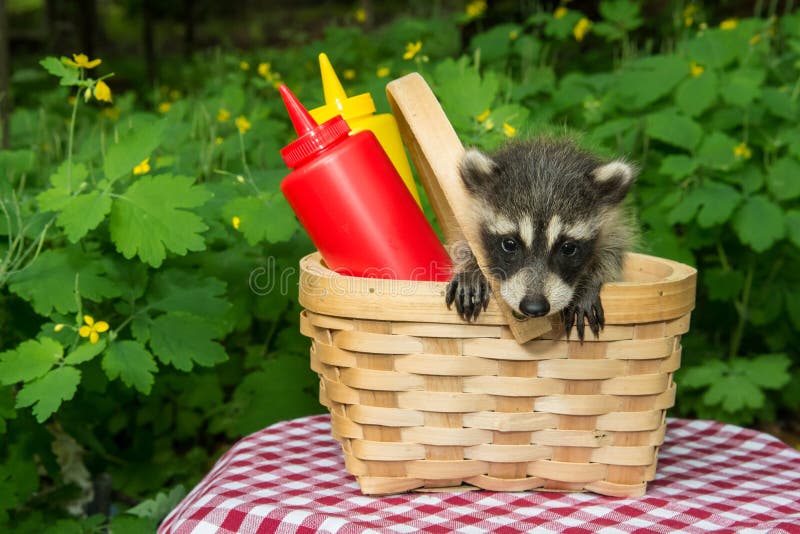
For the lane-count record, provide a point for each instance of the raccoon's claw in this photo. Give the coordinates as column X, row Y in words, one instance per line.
column 580, row 313
column 470, row 293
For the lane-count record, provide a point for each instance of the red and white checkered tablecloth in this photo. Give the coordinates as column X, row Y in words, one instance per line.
column 290, row 478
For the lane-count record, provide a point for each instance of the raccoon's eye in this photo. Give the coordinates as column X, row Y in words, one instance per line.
column 569, row 248
column 509, row 245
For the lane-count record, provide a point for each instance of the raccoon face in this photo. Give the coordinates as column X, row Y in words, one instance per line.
column 542, row 208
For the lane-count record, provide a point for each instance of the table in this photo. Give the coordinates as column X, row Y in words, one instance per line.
column 290, row 477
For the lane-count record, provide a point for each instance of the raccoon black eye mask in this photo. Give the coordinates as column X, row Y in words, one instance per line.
column 551, row 228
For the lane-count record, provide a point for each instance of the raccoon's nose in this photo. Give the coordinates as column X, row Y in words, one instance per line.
column 534, row 306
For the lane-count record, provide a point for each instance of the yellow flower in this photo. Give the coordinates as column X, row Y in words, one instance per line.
column 218, row 140
column 483, row 116
column 742, row 151
column 223, row 115
column 244, row 65
column 264, row 69
column 728, row 24
column 143, row 167
column 102, row 91
column 71, row 100
column 59, row 327
column 382, row 72
column 242, row 124
column 512, row 35
column 560, row 12
column 360, row 14
column 92, row 329
column 509, row 130
column 163, row 107
column 475, row 9
column 754, row 40
column 412, row 49
column 696, row 70
column 688, row 15
column 236, row 221
column 81, row 61
column 87, row 94
column 581, row 29
column 349, row 74
column 488, row 124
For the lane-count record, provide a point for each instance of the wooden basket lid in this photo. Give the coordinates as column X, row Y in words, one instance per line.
column 652, row 289
column 436, row 152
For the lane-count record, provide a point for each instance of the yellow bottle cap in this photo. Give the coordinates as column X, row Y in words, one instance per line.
column 336, row 100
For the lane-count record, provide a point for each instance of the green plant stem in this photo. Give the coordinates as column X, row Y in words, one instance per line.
column 247, row 167
column 723, row 258
column 743, row 309
column 72, row 136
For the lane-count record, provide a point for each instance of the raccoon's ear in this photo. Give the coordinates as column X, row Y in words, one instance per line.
column 476, row 169
column 613, row 180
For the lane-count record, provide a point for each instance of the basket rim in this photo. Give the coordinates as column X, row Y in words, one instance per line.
column 668, row 295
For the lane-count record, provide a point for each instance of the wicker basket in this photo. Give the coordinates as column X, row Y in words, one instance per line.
column 420, row 399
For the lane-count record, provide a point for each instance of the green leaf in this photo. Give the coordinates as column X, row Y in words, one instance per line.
column 267, row 217
column 132, row 363
column 783, row 179
column 646, row 80
column 719, row 202
column 159, row 506
column 49, row 283
column 83, row 213
column 182, row 340
column 723, row 285
column 30, row 360
column 733, row 393
column 151, row 218
column 80, row 213
column 742, row 86
column 768, row 371
column 704, row 374
column 759, row 223
column 182, row 291
column 284, row 389
column 674, row 129
column 793, row 226
column 85, row 352
column 46, row 394
column 779, row 102
column 715, row 202
column 678, row 167
column 462, row 91
column 717, row 151
column 695, row 95
column 133, row 147
column 494, row 44
column 53, row 65
column 623, row 13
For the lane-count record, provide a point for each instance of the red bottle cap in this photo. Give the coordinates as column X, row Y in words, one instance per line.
column 313, row 137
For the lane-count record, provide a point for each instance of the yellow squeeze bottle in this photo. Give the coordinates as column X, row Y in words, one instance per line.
column 359, row 113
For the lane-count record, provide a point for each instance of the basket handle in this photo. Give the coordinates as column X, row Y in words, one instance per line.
column 436, row 151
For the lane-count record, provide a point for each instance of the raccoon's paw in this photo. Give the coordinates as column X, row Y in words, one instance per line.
column 469, row 290
column 585, row 310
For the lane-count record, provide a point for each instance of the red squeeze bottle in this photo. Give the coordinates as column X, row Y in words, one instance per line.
column 352, row 202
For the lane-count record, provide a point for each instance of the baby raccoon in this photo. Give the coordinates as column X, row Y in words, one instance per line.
column 551, row 228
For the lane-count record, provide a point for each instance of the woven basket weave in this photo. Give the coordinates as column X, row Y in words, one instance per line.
column 420, row 399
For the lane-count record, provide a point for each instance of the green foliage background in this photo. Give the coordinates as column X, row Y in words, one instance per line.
column 204, row 345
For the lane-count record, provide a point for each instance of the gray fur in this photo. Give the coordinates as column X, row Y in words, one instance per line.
column 570, row 231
